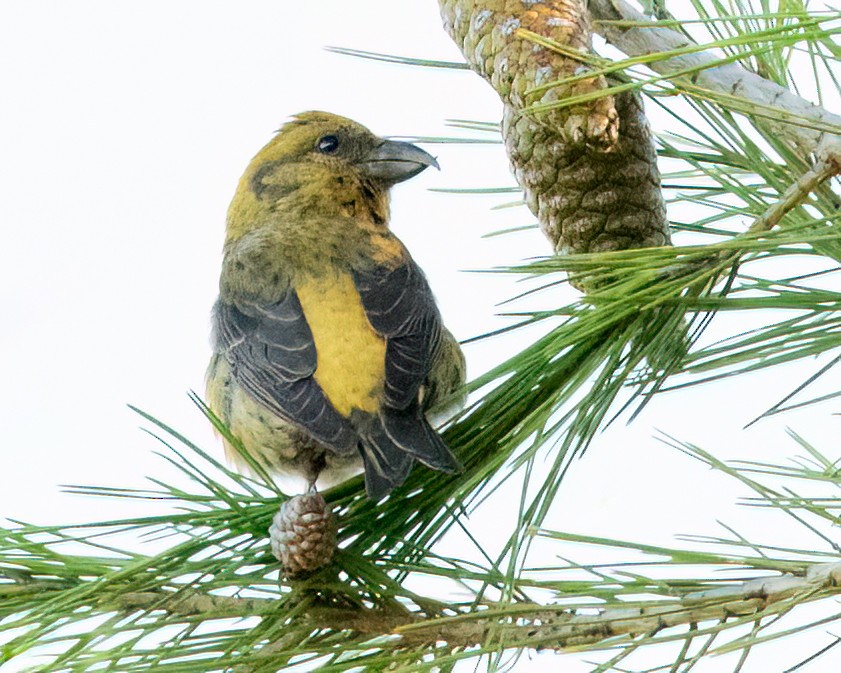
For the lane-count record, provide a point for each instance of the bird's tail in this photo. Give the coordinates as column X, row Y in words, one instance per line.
column 392, row 440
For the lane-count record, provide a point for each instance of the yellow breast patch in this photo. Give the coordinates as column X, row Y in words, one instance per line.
column 351, row 355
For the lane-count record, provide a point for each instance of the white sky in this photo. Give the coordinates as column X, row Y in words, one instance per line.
column 123, row 130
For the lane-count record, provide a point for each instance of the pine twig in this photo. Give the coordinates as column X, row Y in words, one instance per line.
column 797, row 193
column 794, row 195
column 560, row 630
column 189, row 603
column 746, row 598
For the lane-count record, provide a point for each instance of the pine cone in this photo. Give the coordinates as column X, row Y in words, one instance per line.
column 303, row 534
column 589, row 171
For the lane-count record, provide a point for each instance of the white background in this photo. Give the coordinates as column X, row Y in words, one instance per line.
column 123, row 130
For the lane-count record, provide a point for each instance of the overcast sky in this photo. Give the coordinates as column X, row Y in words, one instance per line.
column 123, row 130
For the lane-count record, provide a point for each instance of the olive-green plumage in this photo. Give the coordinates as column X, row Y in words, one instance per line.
column 328, row 346
column 589, row 171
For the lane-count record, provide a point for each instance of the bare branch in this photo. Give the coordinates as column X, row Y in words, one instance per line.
column 612, row 18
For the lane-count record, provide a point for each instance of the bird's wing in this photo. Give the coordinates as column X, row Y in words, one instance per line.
column 400, row 306
column 272, row 355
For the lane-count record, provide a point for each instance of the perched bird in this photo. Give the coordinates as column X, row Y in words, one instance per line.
column 328, row 346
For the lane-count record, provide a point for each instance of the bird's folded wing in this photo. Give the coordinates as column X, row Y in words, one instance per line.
column 399, row 305
column 272, row 355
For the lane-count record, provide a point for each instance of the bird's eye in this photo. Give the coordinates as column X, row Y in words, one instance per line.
column 328, row 144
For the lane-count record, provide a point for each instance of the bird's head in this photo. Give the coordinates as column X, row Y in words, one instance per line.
column 337, row 143
column 320, row 162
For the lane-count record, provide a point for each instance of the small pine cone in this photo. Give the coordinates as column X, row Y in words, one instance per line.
column 303, row 534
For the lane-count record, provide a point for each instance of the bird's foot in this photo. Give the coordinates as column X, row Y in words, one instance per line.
column 303, row 534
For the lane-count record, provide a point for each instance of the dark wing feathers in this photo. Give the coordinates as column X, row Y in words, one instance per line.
column 385, row 466
column 272, row 356
column 390, row 443
column 276, row 336
column 400, row 306
column 391, row 295
column 289, row 346
column 410, row 432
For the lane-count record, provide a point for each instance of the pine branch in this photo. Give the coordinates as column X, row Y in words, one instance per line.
column 221, row 577
column 561, row 628
column 547, row 627
column 635, row 35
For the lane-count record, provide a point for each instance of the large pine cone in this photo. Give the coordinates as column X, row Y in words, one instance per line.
column 589, row 171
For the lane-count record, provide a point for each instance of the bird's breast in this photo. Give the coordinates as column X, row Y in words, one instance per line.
column 351, row 355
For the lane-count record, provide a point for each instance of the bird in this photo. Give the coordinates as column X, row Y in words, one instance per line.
column 328, row 347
